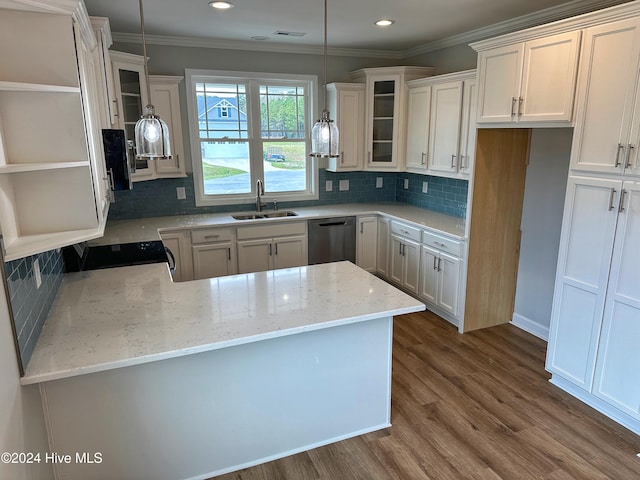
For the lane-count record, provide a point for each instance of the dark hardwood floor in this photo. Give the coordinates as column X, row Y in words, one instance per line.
column 472, row 406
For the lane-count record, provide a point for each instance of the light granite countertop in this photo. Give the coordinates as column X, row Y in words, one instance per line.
column 147, row 229
column 106, row 319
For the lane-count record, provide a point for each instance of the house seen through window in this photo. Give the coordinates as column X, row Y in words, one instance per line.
column 251, row 128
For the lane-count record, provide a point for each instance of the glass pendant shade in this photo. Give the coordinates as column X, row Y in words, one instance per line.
column 324, row 137
column 152, row 136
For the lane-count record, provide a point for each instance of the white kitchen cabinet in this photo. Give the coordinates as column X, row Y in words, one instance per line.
column 418, row 128
column 596, row 310
column 107, row 93
column 607, row 130
column 528, row 82
column 367, row 243
column 440, row 273
column 52, row 184
column 268, row 247
column 213, row 252
column 404, row 256
column 444, row 127
column 382, row 258
column 179, row 242
column 346, row 104
column 385, row 114
column 165, row 99
column 468, row 130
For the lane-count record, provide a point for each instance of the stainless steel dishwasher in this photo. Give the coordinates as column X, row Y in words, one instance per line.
column 332, row 240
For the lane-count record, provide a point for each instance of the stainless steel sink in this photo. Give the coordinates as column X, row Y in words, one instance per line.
column 248, row 216
column 283, row 213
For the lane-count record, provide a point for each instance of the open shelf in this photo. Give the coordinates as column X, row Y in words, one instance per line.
column 36, row 87
column 32, row 244
column 37, row 167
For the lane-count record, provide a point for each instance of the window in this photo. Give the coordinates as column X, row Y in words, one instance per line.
column 249, row 127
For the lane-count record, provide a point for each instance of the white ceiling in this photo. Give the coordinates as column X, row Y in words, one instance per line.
column 350, row 22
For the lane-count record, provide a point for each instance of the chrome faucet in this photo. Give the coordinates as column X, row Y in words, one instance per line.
column 259, row 191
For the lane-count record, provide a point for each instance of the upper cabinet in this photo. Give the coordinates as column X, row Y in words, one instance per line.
column 385, row 114
column 131, row 92
column 107, row 93
column 607, row 129
column 346, row 103
column 52, row 180
column 529, row 82
column 441, row 128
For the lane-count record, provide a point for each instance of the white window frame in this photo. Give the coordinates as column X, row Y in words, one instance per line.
column 257, row 172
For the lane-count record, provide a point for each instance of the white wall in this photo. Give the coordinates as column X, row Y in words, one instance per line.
column 22, row 427
column 544, row 194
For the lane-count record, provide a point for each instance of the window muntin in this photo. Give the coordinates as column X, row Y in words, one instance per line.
column 237, row 149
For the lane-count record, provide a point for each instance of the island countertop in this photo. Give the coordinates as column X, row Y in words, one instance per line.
column 112, row 318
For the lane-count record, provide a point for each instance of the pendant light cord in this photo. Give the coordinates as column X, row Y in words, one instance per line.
column 325, row 54
column 144, row 53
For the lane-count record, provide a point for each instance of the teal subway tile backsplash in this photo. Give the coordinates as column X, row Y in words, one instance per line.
column 29, row 303
column 157, row 198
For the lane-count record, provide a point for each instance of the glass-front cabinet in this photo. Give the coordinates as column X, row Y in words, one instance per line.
column 385, row 107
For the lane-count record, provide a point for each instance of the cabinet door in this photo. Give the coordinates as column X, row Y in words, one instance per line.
column 449, row 272
column 215, row 260
column 164, row 96
column 383, row 114
column 444, row 130
column 351, row 125
column 367, row 245
column 396, row 260
column 411, row 258
column 255, row 255
column 606, row 85
column 429, row 275
column 382, row 261
column 289, row 252
column 500, row 72
column 418, row 128
column 588, row 229
column 178, row 243
column 618, row 360
column 468, row 131
column 549, row 78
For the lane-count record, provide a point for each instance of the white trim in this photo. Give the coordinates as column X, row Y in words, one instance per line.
column 534, row 328
column 192, row 76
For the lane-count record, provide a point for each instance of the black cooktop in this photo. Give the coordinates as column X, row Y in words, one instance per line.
column 109, row 256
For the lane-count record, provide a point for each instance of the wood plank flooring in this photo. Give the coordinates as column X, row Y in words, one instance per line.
column 474, row 406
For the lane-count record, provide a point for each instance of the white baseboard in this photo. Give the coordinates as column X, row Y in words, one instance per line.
column 528, row 325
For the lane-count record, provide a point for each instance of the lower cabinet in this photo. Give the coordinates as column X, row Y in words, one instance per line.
column 214, row 252
column 179, row 242
column 404, row 256
column 440, row 279
column 367, row 243
column 268, row 247
column 382, row 260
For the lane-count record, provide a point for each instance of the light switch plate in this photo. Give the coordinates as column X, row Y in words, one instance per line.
column 181, row 193
column 406, row 184
column 425, row 187
column 378, row 182
column 344, row 185
column 328, row 186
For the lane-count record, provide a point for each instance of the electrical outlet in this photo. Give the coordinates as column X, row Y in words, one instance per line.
column 378, row 182
column 36, row 273
column 425, row 187
column 181, row 193
column 328, row 186
column 406, row 184
column 344, row 185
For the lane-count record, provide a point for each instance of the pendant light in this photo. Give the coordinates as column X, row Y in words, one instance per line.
column 152, row 133
column 324, row 135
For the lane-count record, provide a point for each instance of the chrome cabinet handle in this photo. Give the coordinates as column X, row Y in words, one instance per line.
column 434, row 263
column 229, row 253
column 453, row 160
column 422, row 161
column 622, row 195
column 276, row 249
column 613, row 192
column 620, row 147
column 116, row 114
column 211, row 236
column 627, row 163
column 520, row 101
column 513, row 106
column 439, row 263
column 341, row 158
column 270, row 250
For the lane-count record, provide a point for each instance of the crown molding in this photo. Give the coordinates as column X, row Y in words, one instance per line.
column 552, row 14
column 102, row 24
column 200, row 42
column 66, row 7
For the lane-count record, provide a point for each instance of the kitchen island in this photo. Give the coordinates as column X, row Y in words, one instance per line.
column 189, row 380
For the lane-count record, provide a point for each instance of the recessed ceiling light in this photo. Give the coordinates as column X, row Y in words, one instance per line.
column 385, row 22
column 221, row 5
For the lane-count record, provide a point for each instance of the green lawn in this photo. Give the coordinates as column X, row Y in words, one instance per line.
column 213, row 171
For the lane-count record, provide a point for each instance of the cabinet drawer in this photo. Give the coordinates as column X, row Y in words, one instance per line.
column 405, row 231
column 210, row 235
column 444, row 244
column 273, row 230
